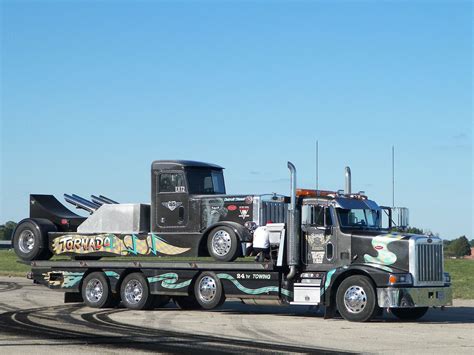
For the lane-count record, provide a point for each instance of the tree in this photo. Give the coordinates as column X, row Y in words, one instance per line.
column 6, row 230
column 459, row 247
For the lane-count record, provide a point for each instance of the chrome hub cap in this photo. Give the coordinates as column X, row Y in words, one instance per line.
column 355, row 299
column 207, row 289
column 26, row 241
column 133, row 292
column 221, row 243
column 94, row 290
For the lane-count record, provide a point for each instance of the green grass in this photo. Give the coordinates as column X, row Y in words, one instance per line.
column 461, row 270
column 462, row 276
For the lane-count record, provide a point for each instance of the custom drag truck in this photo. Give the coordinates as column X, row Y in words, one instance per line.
column 326, row 248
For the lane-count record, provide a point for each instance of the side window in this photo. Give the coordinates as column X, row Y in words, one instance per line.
column 328, row 217
column 171, row 182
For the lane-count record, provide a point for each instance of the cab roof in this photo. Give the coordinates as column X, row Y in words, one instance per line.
column 181, row 164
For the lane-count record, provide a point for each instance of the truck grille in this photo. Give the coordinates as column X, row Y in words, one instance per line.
column 429, row 262
column 273, row 211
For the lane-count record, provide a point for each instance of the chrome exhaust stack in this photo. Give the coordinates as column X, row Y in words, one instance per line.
column 348, row 188
column 293, row 252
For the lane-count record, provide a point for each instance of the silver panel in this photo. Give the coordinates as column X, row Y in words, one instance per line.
column 426, row 261
column 421, row 297
column 306, row 294
column 120, row 218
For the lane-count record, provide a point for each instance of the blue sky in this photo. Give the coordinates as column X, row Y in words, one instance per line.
column 92, row 92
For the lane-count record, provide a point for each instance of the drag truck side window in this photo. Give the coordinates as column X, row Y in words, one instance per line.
column 205, row 182
column 171, row 182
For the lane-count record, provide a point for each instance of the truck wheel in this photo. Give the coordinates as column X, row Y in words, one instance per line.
column 96, row 291
column 222, row 244
column 409, row 313
column 186, row 302
column 208, row 290
column 355, row 299
column 135, row 292
column 30, row 240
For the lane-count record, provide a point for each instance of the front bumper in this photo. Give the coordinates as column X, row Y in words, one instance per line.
column 391, row 297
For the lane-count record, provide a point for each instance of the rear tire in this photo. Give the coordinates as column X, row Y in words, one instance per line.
column 30, row 239
column 223, row 244
column 96, row 291
column 356, row 300
column 208, row 290
column 409, row 313
column 135, row 292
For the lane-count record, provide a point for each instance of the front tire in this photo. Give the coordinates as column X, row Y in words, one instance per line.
column 96, row 291
column 135, row 292
column 222, row 244
column 356, row 300
column 409, row 313
column 208, row 290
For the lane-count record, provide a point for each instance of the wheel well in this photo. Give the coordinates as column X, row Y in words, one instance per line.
column 202, row 251
column 337, row 282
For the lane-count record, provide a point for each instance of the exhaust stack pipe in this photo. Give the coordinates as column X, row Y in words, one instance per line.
column 348, row 189
column 293, row 240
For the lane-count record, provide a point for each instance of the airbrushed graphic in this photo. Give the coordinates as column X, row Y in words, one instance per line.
column 380, row 244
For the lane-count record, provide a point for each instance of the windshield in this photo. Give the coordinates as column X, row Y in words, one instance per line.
column 205, row 181
column 359, row 218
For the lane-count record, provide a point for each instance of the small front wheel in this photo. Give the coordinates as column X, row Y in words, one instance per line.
column 135, row 292
column 222, row 244
column 208, row 290
column 96, row 291
column 409, row 313
column 356, row 300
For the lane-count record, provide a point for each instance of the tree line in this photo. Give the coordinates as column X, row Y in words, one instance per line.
column 452, row 248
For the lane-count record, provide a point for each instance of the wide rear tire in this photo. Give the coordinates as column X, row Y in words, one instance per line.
column 223, row 244
column 30, row 239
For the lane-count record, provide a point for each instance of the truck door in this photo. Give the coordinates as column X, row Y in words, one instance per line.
column 172, row 200
column 319, row 244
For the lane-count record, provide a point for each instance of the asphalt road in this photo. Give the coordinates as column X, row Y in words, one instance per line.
column 34, row 320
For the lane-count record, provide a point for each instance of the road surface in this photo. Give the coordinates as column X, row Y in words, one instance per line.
column 34, row 320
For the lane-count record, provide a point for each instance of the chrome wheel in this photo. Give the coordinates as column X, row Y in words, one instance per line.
column 355, row 299
column 94, row 290
column 207, row 289
column 221, row 243
column 26, row 242
column 133, row 291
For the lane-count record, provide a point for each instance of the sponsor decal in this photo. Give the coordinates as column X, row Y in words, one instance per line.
column 172, row 205
column 380, row 244
column 378, row 247
column 244, row 212
column 234, row 199
column 248, row 200
column 317, row 256
column 232, row 207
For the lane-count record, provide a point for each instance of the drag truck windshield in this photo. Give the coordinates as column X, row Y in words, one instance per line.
column 205, row 182
column 359, row 218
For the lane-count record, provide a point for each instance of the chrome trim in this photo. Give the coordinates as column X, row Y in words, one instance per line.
column 426, row 261
column 257, row 206
column 391, row 297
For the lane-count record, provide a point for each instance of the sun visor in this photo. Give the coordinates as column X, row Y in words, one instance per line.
column 351, row 203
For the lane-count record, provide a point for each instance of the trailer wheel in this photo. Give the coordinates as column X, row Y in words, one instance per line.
column 135, row 292
column 356, row 300
column 30, row 240
column 186, row 302
column 96, row 291
column 409, row 313
column 222, row 244
column 208, row 290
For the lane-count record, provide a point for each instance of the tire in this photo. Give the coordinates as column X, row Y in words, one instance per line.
column 159, row 301
column 208, row 290
column 30, row 239
column 135, row 292
column 186, row 302
column 223, row 244
column 96, row 291
column 356, row 300
column 409, row 313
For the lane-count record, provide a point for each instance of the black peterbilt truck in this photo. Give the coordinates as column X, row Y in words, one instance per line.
column 327, row 248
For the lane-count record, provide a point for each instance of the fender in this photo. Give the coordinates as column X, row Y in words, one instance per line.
column 242, row 233
column 44, row 226
column 332, row 279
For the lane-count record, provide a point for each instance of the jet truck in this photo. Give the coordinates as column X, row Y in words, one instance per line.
column 327, row 248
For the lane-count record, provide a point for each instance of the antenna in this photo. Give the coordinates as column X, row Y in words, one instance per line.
column 393, row 176
column 317, row 167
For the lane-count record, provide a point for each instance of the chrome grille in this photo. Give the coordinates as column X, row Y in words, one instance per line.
column 429, row 262
column 273, row 211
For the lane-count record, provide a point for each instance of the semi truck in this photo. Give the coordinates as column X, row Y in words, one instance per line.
column 327, row 248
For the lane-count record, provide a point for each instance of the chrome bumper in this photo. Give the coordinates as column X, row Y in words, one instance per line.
column 391, row 297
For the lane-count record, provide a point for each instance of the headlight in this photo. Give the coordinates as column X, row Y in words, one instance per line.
column 447, row 278
column 400, row 279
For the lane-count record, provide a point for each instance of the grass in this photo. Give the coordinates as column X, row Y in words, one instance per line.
column 462, row 276
column 461, row 270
